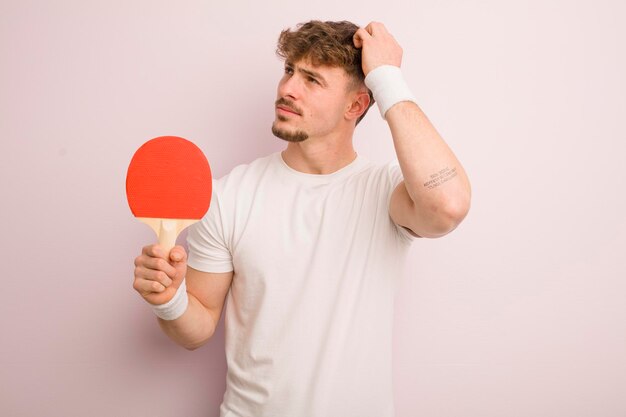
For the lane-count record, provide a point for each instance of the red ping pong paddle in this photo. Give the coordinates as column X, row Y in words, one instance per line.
column 168, row 186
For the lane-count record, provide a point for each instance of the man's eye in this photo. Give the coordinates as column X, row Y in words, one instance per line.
column 288, row 70
column 313, row 80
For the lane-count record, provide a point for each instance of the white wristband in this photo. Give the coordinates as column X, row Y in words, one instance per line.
column 388, row 87
column 175, row 307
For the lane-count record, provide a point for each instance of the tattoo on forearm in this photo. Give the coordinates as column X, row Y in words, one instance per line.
column 440, row 177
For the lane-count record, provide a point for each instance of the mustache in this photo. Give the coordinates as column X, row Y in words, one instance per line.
column 289, row 104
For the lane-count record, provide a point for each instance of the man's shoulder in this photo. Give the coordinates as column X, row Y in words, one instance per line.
column 243, row 172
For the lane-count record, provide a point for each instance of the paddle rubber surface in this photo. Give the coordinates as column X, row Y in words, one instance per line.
column 169, row 178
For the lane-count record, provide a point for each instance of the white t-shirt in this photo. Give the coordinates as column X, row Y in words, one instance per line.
column 316, row 262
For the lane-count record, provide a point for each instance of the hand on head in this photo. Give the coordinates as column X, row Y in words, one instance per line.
column 379, row 47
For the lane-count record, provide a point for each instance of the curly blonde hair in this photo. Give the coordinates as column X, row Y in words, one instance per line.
column 325, row 43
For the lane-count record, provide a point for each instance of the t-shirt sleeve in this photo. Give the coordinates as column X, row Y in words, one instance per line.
column 395, row 177
column 206, row 241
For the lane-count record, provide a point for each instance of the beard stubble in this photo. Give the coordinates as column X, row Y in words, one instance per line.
column 295, row 136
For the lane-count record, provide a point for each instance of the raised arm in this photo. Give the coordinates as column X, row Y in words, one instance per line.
column 435, row 194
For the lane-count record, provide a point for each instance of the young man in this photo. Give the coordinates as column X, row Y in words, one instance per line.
column 308, row 243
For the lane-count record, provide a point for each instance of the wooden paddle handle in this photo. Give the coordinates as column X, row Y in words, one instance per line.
column 167, row 234
column 167, row 230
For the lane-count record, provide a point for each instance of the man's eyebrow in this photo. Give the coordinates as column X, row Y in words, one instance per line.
column 309, row 73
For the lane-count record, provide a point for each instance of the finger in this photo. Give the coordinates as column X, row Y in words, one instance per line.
column 153, row 275
column 156, row 251
column 360, row 36
column 369, row 28
column 146, row 287
column 376, row 27
column 159, row 264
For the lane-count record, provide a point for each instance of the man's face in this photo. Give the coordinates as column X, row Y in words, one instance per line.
column 311, row 101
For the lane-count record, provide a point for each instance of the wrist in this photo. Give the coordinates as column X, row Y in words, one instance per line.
column 174, row 308
column 388, row 87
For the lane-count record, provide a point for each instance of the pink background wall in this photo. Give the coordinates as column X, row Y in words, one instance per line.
column 519, row 312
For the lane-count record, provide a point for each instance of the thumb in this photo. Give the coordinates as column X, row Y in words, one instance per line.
column 178, row 254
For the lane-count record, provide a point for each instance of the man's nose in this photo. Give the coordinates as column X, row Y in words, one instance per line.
column 289, row 87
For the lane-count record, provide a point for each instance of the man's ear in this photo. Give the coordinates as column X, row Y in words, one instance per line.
column 360, row 103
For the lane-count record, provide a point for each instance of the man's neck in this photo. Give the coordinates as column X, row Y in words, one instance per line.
column 318, row 156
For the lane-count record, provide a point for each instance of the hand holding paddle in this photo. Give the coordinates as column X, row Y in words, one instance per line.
column 157, row 277
column 168, row 186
